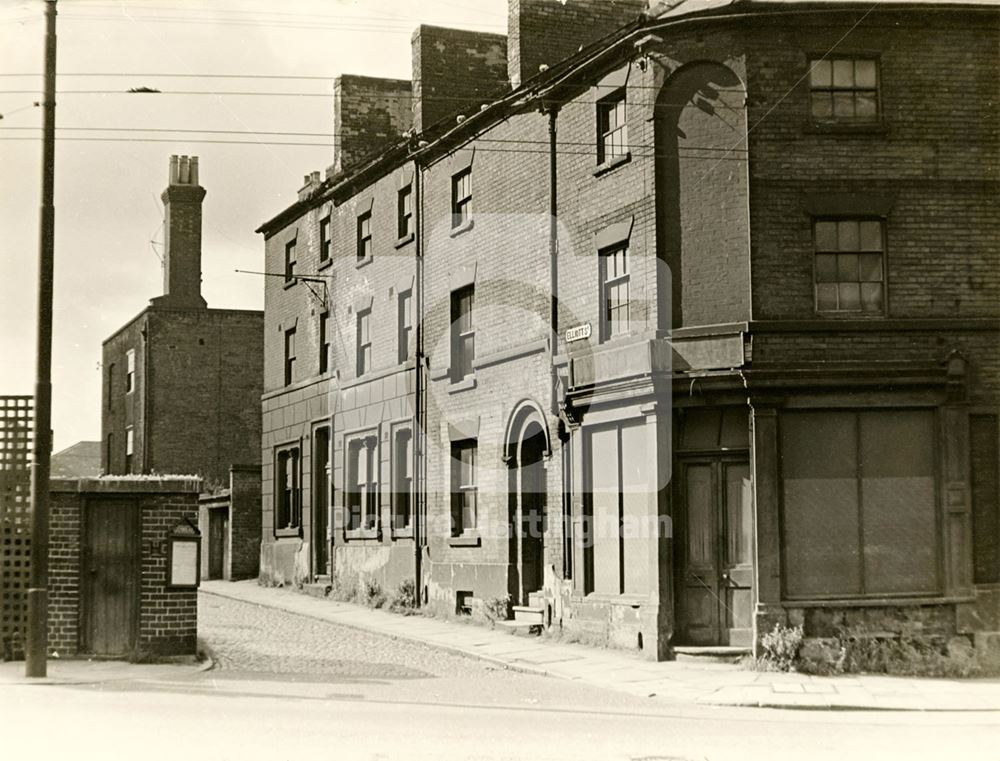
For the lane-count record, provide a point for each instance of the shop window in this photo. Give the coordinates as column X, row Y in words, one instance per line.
column 463, row 487
column 859, row 511
column 985, row 456
column 287, row 491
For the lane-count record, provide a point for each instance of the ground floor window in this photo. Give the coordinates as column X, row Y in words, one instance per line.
column 288, row 490
column 616, row 521
column 859, row 513
column 362, row 483
column 402, row 478
column 463, row 486
column 985, row 459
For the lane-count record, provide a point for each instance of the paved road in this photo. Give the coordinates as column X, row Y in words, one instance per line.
column 290, row 687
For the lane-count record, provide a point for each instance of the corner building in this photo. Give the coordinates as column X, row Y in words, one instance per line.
column 706, row 329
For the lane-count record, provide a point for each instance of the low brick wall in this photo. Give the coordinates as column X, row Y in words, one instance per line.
column 167, row 618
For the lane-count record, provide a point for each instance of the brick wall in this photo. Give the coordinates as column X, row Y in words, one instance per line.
column 244, row 521
column 121, row 410
column 454, row 72
column 64, row 572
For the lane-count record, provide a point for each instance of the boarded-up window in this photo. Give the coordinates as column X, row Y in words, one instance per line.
column 985, row 453
column 859, row 514
column 618, row 513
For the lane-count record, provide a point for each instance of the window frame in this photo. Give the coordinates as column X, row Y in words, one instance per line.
column 404, row 324
column 832, row 90
column 325, row 347
column 363, row 358
column 325, row 239
column 291, row 261
column 361, row 499
column 607, row 323
column 289, row 355
column 461, row 198
column 404, row 213
column 402, row 480
column 130, row 371
column 461, row 339
column 608, row 136
column 839, row 313
column 459, row 526
column 364, row 237
column 287, row 499
column 129, row 448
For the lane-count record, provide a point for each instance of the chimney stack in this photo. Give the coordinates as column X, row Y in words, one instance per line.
column 182, row 260
column 369, row 115
column 548, row 31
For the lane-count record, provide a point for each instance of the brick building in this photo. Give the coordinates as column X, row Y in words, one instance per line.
column 705, row 321
column 182, row 382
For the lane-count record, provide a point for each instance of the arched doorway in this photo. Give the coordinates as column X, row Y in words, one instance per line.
column 526, row 447
column 532, row 493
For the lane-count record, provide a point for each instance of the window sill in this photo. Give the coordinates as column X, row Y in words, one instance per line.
column 362, row 262
column 290, row 282
column 467, row 383
column 406, row 239
column 875, row 128
column 466, row 540
column 403, row 533
column 361, row 533
column 287, row 533
column 872, row 316
column 607, row 166
column 464, row 227
column 324, row 264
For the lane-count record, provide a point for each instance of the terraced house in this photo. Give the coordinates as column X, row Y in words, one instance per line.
column 668, row 323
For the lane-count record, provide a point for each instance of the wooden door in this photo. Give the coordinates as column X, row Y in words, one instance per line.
column 532, row 516
column 111, row 575
column 218, row 523
column 714, row 550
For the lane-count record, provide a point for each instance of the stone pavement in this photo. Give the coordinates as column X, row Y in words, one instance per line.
column 675, row 682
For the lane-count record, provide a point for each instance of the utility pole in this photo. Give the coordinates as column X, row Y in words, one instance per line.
column 38, row 587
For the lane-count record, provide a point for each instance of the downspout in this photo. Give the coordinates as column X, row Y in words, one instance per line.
column 553, row 112
column 417, row 448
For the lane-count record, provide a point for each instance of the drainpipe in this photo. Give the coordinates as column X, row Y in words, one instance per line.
column 417, row 447
column 553, row 111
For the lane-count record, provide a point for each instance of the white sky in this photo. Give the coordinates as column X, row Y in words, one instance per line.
column 107, row 193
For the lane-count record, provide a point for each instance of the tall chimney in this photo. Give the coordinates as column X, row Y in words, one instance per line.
column 547, row 31
column 182, row 261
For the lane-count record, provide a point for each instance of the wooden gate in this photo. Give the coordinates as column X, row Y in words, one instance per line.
column 111, row 577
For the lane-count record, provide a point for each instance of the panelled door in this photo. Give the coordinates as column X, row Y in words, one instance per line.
column 218, row 529
column 111, row 575
column 714, row 553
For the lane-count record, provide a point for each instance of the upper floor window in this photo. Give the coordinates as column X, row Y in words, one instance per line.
column 364, row 342
column 461, row 198
column 325, row 241
column 129, row 371
column 614, row 292
column 289, row 356
column 402, row 478
column 405, row 324
column 324, row 342
column 463, row 486
column 291, row 260
column 849, row 265
column 362, row 485
column 844, row 89
column 404, row 212
column 612, row 131
column 288, row 490
column 463, row 335
column 129, row 448
column 365, row 236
